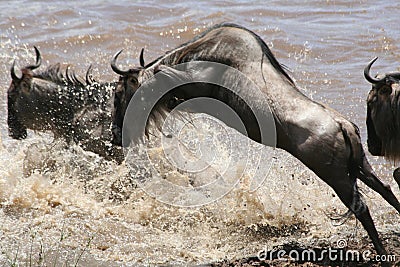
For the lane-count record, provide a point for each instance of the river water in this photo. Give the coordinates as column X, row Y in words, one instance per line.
column 64, row 206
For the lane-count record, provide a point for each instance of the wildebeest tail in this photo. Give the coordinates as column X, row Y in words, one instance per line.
column 351, row 135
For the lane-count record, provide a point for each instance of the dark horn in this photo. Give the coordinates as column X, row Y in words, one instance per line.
column 368, row 76
column 89, row 79
column 67, row 75
column 141, row 58
column 13, row 75
column 38, row 60
column 115, row 68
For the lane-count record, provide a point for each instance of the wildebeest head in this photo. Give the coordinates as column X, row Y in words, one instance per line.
column 47, row 100
column 383, row 114
column 19, row 87
column 127, row 85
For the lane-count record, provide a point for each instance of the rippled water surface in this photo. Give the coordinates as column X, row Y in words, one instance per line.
column 62, row 205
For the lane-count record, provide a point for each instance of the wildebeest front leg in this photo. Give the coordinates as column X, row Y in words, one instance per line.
column 368, row 177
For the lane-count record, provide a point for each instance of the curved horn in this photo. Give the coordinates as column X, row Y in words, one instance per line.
column 89, row 79
column 13, row 75
column 141, row 58
column 368, row 76
column 67, row 75
column 115, row 68
column 38, row 60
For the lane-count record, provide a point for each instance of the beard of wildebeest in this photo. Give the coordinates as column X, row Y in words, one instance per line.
column 383, row 115
column 320, row 137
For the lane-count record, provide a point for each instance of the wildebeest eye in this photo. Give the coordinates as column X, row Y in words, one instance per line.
column 134, row 80
column 25, row 87
column 387, row 89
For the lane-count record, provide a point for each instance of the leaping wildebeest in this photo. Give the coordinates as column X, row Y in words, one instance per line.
column 71, row 108
column 383, row 116
column 320, row 137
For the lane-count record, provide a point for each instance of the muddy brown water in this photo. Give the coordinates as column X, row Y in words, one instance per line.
column 61, row 206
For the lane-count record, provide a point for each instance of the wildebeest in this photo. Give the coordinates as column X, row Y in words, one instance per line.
column 383, row 115
column 320, row 137
column 64, row 104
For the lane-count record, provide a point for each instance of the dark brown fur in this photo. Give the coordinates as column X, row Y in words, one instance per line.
column 383, row 115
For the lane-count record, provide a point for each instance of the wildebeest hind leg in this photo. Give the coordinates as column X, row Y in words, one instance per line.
column 350, row 196
column 368, row 177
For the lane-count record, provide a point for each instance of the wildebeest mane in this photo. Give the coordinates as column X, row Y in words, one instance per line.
column 81, row 91
column 393, row 76
column 54, row 74
column 267, row 52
